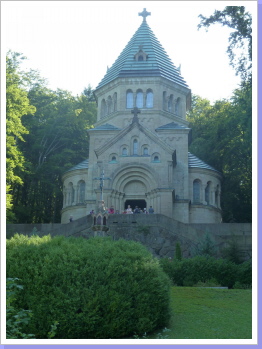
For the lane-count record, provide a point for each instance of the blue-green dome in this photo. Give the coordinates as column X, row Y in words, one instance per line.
column 156, row 63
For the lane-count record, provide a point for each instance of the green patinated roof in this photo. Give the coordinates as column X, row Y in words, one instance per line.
column 157, row 63
column 171, row 126
column 81, row 166
column 194, row 161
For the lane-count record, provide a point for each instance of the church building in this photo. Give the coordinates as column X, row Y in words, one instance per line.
column 138, row 152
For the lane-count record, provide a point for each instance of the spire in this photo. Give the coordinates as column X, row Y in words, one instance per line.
column 155, row 60
column 144, row 14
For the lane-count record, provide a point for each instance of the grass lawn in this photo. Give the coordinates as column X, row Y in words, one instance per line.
column 210, row 313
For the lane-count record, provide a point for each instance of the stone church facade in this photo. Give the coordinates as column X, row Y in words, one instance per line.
column 139, row 144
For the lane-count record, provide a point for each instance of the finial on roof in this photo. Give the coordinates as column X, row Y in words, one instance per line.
column 135, row 111
column 144, row 14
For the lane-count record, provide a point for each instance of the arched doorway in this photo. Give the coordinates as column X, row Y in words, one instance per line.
column 133, row 203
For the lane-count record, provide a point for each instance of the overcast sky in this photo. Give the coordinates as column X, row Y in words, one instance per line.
column 72, row 43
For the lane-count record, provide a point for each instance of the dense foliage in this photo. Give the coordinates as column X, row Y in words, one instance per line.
column 17, row 105
column 202, row 269
column 53, row 125
column 222, row 137
column 96, row 288
column 222, row 133
column 16, row 319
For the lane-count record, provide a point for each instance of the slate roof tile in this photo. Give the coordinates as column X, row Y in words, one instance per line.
column 157, row 63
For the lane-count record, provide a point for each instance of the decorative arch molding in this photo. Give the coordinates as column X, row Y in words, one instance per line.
column 136, row 172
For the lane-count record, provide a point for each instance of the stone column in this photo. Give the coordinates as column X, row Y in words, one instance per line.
column 218, row 198
column 77, row 194
column 170, row 173
column 203, row 195
column 121, row 201
column 212, row 197
column 113, row 199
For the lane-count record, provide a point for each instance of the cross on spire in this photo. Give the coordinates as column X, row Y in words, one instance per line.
column 135, row 111
column 144, row 14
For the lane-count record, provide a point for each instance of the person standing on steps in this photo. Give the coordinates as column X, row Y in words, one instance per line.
column 151, row 210
column 137, row 210
column 129, row 210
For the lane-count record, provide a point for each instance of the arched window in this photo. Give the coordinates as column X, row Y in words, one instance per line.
column 170, row 104
column 99, row 220
column 155, row 157
column 124, row 151
column 164, row 101
column 112, row 158
column 217, row 196
column 129, row 99
column 207, row 193
column 82, row 187
column 196, row 191
column 103, row 108
column 178, row 107
column 109, row 105
column 135, row 146
column 139, row 99
column 149, row 99
column 65, row 196
column 145, row 151
column 115, row 102
column 71, row 194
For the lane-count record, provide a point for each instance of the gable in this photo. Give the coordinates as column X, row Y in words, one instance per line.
column 128, row 133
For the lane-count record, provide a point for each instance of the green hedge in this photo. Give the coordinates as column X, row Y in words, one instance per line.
column 201, row 269
column 96, row 288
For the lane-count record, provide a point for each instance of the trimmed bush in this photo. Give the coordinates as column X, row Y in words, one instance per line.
column 96, row 288
column 202, row 269
column 226, row 272
column 244, row 279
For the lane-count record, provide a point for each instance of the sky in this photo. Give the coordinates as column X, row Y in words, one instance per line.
column 71, row 43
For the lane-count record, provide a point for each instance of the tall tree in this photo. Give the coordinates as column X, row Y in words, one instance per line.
column 17, row 105
column 230, row 136
column 240, row 39
column 222, row 137
column 57, row 140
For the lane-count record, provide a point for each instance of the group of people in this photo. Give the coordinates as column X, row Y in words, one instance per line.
column 138, row 210
column 129, row 210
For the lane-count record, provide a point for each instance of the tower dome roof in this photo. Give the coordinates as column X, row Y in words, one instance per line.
column 143, row 56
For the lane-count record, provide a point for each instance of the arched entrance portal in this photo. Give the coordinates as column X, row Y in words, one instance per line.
column 133, row 203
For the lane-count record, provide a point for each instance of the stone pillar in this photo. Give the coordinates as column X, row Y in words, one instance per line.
column 212, row 197
column 203, row 194
column 158, row 206
column 77, row 194
column 218, row 198
column 170, row 173
column 113, row 199
column 144, row 99
column 121, row 201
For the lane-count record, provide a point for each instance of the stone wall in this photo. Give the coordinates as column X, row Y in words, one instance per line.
column 158, row 232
